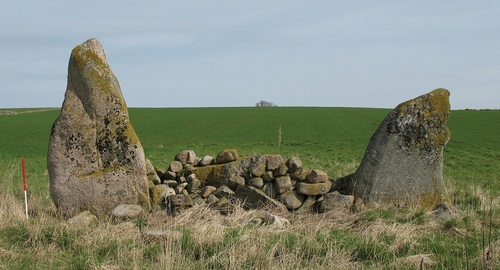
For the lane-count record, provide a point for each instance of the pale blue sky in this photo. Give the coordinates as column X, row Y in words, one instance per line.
column 236, row 53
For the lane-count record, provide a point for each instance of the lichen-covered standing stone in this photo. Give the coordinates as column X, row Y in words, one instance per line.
column 95, row 160
column 403, row 163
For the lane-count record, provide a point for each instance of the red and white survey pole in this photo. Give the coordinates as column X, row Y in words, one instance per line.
column 25, row 194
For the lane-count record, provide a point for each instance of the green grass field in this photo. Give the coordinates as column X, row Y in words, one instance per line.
column 324, row 138
column 331, row 139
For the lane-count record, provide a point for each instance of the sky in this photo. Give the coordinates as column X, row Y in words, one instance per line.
column 235, row 53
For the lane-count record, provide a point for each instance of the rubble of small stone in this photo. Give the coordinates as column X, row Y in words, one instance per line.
column 228, row 181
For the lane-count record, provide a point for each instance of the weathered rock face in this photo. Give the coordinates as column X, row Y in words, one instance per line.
column 403, row 163
column 95, row 160
column 335, row 200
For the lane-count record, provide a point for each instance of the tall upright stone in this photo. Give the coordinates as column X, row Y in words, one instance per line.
column 95, row 160
column 403, row 163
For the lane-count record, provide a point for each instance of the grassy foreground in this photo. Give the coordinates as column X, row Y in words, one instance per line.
column 375, row 239
column 332, row 139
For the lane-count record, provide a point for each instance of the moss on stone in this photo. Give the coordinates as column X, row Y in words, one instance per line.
column 422, row 122
column 313, row 188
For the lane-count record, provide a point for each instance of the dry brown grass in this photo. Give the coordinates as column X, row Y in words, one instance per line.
column 339, row 239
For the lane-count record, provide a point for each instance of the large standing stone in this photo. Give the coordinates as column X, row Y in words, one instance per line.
column 95, row 160
column 403, row 163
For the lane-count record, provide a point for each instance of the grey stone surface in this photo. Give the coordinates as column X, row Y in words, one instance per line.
column 240, row 167
column 281, row 170
column 154, row 178
column 291, row 199
column 307, row 205
column 277, row 221
column 256, row 198
column 181, row 200
column 186, row 157
column 175, row 166
column 207, row 190
column 313, row 189
column 194, row 186
column 283, row 184
column 234, row 181
column 223, row 192
column 317, row 176
column 268, row 176
column 273, row 162
column 206, row 160
column 84, row 218
column 149, row 167
column 269, row 189
column 300, row 174
column 293, row 164
column 127, row 211
column 168, row 175
column 190, row 178
column 335, row 200
column 227, row 155
column 256, row 182
column 256, row 169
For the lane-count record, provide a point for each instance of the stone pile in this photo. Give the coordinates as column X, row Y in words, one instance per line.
column 255, row 181
column 96, row 162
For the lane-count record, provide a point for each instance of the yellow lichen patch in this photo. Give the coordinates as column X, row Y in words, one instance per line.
column 313, row 188
column 105, row 171
column 435, row 196
column 422, row 122
column 422, row 197
column 209, row 175
column 430, row 200
column 95, row 71
column 104, row 98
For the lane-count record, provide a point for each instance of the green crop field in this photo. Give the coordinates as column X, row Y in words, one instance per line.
column 331, row 139
column 324, row 138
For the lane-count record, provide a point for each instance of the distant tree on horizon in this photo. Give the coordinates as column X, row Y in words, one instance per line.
column 264, row 103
